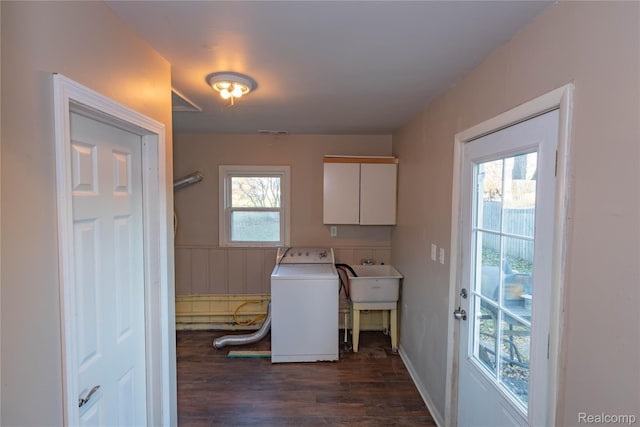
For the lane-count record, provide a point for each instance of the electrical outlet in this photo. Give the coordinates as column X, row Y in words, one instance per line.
column 434, row 249
column 441, row 255
column 334, row 231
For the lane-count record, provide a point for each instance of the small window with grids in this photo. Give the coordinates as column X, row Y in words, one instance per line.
column 254, row 206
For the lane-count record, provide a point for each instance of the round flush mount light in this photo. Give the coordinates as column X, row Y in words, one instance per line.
column 231, row 85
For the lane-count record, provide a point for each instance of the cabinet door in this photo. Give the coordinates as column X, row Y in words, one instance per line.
column 378, row 194
column 341, row 193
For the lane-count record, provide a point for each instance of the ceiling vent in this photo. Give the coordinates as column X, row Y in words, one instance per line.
column 179, row 102
column 273, row 132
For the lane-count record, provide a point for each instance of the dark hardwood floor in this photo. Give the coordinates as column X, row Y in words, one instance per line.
column 368, row 388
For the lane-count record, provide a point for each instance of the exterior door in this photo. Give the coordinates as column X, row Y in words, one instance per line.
column 109, row 274
column 507, row 241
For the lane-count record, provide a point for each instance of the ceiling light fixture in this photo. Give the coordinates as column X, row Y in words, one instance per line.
column 231, row 85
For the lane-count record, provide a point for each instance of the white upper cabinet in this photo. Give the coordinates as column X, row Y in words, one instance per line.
column 378, row 193
column 341, row 193
column 360, row 190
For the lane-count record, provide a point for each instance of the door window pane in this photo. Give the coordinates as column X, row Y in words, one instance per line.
column 518, row 278
column 503, row 275
column 514, row 366
column 488, row 215
column 488, row 247
column 519, row 199
column 485, row 343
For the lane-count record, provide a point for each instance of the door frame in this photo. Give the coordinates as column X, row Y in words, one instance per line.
column 159, row 299
column 561, row 98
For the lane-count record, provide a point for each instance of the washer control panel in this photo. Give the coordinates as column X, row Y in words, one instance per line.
column 295, row 255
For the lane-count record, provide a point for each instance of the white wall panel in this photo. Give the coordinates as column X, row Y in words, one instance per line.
column 183, row 271
column 255, row 262
column 218, row 271
column 212, row 270
column 236, row 271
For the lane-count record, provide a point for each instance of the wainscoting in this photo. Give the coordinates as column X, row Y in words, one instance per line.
column 202, row 270
column 212, row 283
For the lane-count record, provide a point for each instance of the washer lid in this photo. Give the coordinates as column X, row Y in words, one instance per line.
column 304, row 271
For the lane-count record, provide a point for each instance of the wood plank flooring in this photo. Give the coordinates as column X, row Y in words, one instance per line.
column 368, row 388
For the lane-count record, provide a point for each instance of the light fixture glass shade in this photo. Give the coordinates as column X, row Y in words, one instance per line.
column 231, row 85
column 239, row 90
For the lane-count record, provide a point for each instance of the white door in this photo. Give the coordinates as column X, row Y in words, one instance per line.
column 507, row 241
column 109, row 275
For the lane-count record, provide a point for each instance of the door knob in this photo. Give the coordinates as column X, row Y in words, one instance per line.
column 83, row 401
column 459, row 314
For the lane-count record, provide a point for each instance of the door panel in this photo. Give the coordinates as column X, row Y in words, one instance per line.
column 86, row 278
column 109, row 280
column 507, row 229
column 124, row 271
column 92, row 416
column 126, row 394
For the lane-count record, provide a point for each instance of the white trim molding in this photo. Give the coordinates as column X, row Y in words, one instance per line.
column 562, row 99
column 70, row 96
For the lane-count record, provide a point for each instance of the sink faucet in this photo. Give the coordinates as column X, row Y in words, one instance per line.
column 368, row 261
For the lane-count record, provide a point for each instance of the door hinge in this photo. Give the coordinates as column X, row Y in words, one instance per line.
column 548, row 345
column 556, row 168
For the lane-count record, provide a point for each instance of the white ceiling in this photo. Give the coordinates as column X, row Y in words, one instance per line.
column 322, row 67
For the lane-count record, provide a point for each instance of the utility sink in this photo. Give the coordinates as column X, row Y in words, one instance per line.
column 374, row 284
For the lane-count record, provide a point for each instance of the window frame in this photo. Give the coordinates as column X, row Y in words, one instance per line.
column 225, row 175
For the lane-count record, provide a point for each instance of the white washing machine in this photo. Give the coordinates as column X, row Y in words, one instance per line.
column 304, row 306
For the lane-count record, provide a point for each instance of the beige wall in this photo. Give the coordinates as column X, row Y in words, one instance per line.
column 203, row 267
column 86, row 42
column 596, row 45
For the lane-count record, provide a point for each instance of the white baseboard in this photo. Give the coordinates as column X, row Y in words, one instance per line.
column 437, row 416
